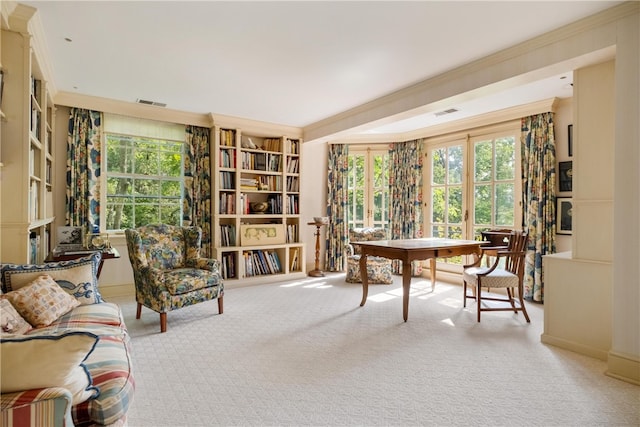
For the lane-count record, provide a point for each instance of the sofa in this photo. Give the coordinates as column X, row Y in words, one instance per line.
column 66, row 353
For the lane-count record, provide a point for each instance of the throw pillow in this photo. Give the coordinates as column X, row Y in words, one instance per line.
column 11, row 321
column 31, row 362
column 42, row 301
column 77, row 277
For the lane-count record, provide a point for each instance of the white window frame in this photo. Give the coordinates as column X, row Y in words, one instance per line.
column 370, row 152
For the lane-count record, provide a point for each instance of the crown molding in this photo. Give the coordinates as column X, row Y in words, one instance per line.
column 131, row 109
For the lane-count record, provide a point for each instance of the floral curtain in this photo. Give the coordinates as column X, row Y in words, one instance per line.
column 405, row 182
column 83, row 168
column 197, row 184
column 337, row 232
column 538, row 191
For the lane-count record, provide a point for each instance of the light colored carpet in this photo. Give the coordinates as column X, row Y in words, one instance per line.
column 305, row 354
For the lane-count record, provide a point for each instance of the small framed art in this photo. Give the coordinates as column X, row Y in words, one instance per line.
column 564, row 222
column 565, row 175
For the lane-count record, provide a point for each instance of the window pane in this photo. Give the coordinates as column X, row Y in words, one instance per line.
column 438, row 166
column 483, row 161
column 119, row 186
column 505, row 158
column 119, row 155
column 438, row 231
column 455, row 165
column 171, row 188
column 146, row 162
column 455, row 205
column 148, row 187
column 505, row 204
column 482, row 204
column 437, row 200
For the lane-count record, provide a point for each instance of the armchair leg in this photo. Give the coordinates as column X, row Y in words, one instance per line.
column 138, row 311
column 220, row 305
column 163, row 322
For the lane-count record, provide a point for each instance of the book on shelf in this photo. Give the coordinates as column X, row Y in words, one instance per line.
column 294, row 259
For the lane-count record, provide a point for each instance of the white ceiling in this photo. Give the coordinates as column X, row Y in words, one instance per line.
column 293, row 63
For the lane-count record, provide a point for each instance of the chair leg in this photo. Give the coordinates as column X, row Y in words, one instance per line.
column 138, row 311
column 220, row 306
column 479, row 299
column 524, row 310
column 512, row 298
column 464, row 293
column 163, row 322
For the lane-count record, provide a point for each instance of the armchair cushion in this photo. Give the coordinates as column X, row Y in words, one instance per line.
column 184, row 280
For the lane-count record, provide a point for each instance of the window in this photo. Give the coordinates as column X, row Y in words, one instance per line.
column 470, row 195
column 368, row 188
column 144, row 177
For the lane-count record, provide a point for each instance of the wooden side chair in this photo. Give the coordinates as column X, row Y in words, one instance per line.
column 506, row 271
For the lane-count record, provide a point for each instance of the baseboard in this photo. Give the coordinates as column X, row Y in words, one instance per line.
column 575, row 347
column 624, row 367
column 120, row 290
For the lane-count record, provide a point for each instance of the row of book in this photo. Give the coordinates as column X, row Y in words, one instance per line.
column 227, row 137
column 228, row 266
column 293, row 146
column 227, row 180
column 293, row 184
column 292, row 233
column 227, row 235
column 227, row 159
column 292, row 164
column 259, row 262
column 292, row 204
column 261, row 161
column 227, row 203
column 272, row 144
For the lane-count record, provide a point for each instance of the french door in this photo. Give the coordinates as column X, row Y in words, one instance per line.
column 368, row 187
column 474, row 186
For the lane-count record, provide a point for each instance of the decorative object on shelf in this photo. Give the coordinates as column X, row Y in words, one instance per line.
column 69, row 239
column 570, row 139
column 98, row 241
column 316, row 272
column 565, row 174
column 564, row 220
column 259, row 207
column 262, row 234
column 321, row 219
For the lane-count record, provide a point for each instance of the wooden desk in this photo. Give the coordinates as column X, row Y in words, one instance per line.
column 106, row 254
column 408, row 250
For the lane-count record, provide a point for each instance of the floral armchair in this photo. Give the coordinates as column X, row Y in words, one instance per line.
column 378, row 268
column 168, row 271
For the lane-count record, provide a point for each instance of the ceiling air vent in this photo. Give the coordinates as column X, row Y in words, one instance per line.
column 144, row 101
column 444, row 112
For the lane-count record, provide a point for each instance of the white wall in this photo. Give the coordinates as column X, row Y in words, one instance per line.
column 313, row 197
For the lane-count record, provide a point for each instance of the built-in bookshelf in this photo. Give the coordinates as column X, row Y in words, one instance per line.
column 256, row 229
column 28, row 158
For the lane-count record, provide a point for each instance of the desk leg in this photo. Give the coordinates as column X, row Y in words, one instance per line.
column 433, row 274
column 365, row 278
column 406, row 288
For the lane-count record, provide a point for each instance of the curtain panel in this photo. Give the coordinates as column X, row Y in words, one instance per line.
column 197, row 184
column 538, row 150
column 84, row 141
column 405, row 182
column 337, row 232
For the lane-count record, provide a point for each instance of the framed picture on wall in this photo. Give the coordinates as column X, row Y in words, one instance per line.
column 570, row 139
column 564, row 223
column 565, row 175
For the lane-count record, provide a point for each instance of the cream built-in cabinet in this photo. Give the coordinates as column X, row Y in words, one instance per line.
column 256, row 226
column 26, row 152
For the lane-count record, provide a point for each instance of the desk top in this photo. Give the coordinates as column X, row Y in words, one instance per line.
column 424, row 243
column 66, row 256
